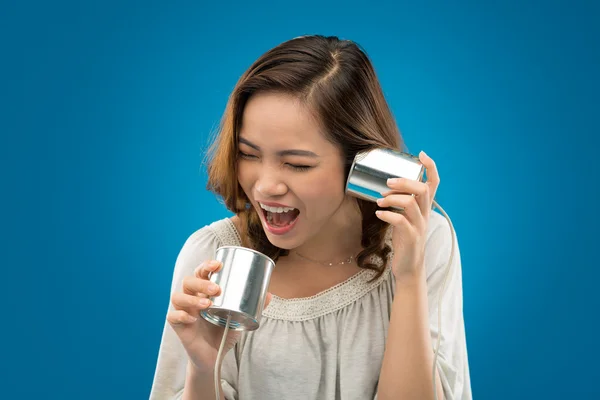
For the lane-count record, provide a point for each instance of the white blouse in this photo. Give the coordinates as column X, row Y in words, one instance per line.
column 327, row 346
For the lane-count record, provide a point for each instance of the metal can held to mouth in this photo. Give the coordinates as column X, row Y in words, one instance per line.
column 244, row 281
column 371, row 169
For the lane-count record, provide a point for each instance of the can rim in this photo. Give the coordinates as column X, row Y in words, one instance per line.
column 214, row 319
column 352, row 169
column 248, row 249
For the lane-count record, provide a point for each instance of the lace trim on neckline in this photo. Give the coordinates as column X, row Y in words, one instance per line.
column 227, row 233
column 325, row 302
column 328, row 301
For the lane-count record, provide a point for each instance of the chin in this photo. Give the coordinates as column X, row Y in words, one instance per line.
column 282, row 244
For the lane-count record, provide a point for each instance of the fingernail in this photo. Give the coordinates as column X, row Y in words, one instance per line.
column 378, row 213
column 214, row 263
column 379, row 201
column 213, row 288
column 392, row 181
column 204, row 302
column 193, row 319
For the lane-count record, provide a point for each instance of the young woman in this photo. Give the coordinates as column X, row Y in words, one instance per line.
column 352, row 308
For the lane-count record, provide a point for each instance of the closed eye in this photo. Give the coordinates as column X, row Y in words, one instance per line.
column 299, row 168
column 247, row 156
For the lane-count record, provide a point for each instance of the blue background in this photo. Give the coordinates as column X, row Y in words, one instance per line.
column 107, row 108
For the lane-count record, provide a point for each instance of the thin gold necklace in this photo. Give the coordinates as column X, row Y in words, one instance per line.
column 328, row 264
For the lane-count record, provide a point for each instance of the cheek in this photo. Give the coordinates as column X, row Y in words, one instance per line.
column 325, row 186
column 244, row 176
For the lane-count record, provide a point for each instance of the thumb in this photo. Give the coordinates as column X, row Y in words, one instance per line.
column 268, row 299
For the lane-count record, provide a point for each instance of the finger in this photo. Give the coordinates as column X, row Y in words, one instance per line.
column 206, row 268
column 433, row 176
column 190, row 303
column 410, row 186
column 268, row 299
column 198, row 286
column 180, row 317
column 406, row 186
column 408, row 202
column 398, row 220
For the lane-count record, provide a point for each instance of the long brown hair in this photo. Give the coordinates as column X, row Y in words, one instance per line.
column 337, row 82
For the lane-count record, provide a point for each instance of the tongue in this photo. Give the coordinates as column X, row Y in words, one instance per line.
column 282, row 219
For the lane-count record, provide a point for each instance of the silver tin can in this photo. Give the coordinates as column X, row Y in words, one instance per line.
column 371, row 169
column 244, row 281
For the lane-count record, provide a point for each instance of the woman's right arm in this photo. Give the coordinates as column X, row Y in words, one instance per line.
column 173, row 376
column 200, row 385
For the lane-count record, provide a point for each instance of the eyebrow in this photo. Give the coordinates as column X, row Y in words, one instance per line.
column 292, row 152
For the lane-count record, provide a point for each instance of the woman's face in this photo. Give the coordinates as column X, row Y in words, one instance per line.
column 292, row 175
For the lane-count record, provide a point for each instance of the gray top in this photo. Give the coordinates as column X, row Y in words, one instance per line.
column 327, row 346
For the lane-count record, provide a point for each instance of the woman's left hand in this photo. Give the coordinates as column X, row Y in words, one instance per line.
column 410, row 226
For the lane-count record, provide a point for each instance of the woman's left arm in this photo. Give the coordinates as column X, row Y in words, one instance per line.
column 407, row 367
column 406, row 372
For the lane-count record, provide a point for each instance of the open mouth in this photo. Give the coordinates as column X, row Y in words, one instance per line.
column 279, row 217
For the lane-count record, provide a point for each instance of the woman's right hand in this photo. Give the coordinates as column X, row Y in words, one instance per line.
column 200, row 338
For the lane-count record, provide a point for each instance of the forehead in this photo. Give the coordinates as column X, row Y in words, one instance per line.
column 276, row 119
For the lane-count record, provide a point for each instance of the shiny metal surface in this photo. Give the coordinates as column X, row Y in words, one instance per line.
column 244, row 280
column 370, row 171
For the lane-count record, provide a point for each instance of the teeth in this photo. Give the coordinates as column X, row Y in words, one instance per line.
column 276, row 209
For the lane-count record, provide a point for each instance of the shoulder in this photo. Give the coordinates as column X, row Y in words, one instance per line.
column 222, row 232
column 441, row 239
column 202, row 245
column 438, row 229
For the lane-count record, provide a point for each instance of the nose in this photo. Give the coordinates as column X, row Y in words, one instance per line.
column 269, row 184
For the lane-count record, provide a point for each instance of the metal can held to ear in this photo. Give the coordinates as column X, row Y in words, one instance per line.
column 244, row 281
column 371, row 169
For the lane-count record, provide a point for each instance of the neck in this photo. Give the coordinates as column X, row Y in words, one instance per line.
column 339, row 239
